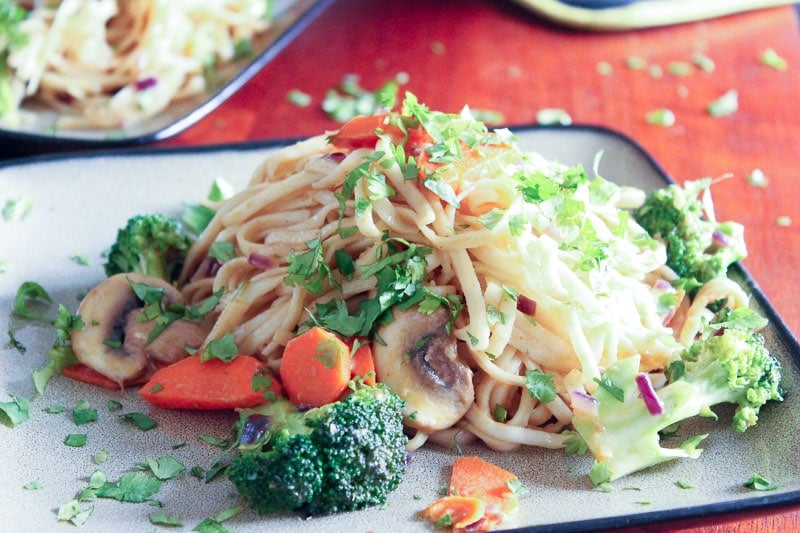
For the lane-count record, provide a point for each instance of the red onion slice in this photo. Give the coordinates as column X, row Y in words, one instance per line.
column 264, row 262
column 146, row 83
column 525, row 305
column 583, row 405
column 651, row 399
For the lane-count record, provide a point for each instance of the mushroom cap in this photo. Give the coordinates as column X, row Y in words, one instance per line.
column 106, row 310
column 419, row 361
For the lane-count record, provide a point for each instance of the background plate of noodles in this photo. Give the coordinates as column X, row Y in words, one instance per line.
column 162, row 85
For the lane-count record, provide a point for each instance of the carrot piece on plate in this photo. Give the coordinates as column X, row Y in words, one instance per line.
column 456, row 512
column 81, row 372
column 315, row 368
column 363, row 365
column 214, row 384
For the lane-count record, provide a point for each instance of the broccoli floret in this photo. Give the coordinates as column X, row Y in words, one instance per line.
column 152, row 244
column 698, row 248
column 344, row 456
column 728, row 364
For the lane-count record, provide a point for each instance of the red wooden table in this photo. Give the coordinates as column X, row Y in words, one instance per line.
column 497, row 56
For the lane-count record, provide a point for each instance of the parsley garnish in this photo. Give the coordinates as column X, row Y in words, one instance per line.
column 540, row 385
column 612, row 388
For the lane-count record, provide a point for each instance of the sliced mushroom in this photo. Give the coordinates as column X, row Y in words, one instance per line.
column 107, row 310
column 170, row 345
column 418, row 360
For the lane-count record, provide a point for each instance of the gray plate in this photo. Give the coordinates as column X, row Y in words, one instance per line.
column 289, row 18
column 78, row 204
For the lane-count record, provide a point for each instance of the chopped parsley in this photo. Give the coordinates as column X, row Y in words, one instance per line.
column 540, row 385
column 15, row 411
column 725, row 105
column 140, row 420
column 759, row 482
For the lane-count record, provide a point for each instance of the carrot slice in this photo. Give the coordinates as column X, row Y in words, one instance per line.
column 194, row 384
column 315, row 368
column 475, row 477
column 456, row 512
column 363, row 365
column 360, row 132
column 81, row 372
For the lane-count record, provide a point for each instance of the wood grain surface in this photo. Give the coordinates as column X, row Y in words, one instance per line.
column 496, row 56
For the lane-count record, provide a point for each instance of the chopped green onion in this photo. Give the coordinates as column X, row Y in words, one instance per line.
column 727, row 104
column 552, row 116
column 770, row 58
column 757, row 178
column 660, row 117
column 298, row 98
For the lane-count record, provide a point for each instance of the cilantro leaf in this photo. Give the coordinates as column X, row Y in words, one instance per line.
column 541, row 385
column 133, row 487
column 14, row 412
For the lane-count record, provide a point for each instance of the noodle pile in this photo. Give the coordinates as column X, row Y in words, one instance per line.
column 553, row 274
column 110, row 63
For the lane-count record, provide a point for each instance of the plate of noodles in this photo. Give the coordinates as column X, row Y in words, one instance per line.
column 109, row 72
column 63, row 213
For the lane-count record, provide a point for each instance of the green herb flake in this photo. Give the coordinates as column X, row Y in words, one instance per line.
column 757, row 178
column 725, row 105
column 660, row 117
column 15, row 411
column 29, row 299
column 161, row 519
column 438, row 48
column 783, row 221
column 55, row 409
column 113, row 405
column 223, row 348
column 298, row 98
column 553, row 117
column 83, row 413
column 679, row 68
column 214, row 441
column 575, row 445
column 214, row 525
column 81, row 259
column 758, row 482
column 612, row 388
column 604, row 68
column 140, row 420
column 75, row 440
column 683, row 484
column 18, row 209
column 72, row 512
column 703, row 62
column 133, row 487
column 770, row 58
column 6, row 265
column 222, row 251
column 500, row 413
column 540, row 385
column 599, row 474
column 635, row 62
column 101, row 457
column 445, row 521
column 165, row 467
column 36, row 484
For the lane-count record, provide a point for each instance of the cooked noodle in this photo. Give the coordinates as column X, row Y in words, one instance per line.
column 586, row 316
column 110, row 63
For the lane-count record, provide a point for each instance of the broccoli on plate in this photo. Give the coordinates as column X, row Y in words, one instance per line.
column 698, row 247
column 343, row 456
column 154, row 244
column 621, row 422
